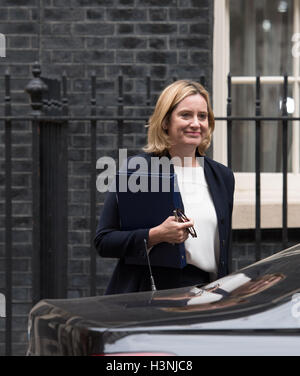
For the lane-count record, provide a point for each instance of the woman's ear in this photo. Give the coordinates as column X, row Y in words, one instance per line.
column 165, row 125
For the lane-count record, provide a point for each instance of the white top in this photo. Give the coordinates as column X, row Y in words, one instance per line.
column 203, row 251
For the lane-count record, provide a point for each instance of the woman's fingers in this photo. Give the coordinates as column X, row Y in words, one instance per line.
column 187, row 224
column 174, row 231
column 169, row 231
column 183, row 233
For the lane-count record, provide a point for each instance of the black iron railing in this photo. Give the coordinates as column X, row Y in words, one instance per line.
column 257, row 120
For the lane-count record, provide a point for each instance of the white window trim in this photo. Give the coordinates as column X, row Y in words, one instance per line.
column 221, row 61
column 271, row 184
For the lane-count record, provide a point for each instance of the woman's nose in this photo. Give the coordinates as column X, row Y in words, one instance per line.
column 196, row 122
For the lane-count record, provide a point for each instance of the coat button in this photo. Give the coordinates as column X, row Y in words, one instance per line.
column 222, row 221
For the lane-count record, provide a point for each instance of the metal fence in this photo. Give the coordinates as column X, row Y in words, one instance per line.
column 50, row 120
column 257, row 122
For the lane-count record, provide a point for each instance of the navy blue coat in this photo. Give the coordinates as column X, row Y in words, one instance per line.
column 128, row 246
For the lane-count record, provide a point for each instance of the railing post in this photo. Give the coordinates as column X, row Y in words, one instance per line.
column 35, row 88
column 202, row 79
column 229, row 123
column 148, row 90
column 59, row 136
column 257, row 174
column 284, row 164
column 8, row 220
column 120, row 111
column 49, row 187
column 93, row 134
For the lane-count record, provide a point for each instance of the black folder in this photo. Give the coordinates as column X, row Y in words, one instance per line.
column 152, row 200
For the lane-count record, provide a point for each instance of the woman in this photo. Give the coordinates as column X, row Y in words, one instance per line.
column 179, row 129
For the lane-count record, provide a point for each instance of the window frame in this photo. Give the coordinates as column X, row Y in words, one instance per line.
column 271, row 183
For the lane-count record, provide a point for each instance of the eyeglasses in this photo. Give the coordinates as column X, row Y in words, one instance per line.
column 181, row 217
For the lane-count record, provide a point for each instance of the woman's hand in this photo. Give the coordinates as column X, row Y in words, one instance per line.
column 169, row 231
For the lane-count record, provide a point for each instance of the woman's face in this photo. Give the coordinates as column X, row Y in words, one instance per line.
column 188, row 124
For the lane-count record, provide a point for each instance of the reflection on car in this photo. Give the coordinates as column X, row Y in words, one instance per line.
column 254, row 311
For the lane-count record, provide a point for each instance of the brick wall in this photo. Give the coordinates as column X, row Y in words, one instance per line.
column 244, row 246
column 163, row 39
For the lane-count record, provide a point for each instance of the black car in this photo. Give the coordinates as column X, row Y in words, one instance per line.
column 254, row 311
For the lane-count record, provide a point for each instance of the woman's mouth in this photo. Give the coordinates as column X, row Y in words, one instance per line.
column 195, row 134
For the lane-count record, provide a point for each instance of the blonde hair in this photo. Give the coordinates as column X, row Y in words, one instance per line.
column 172, row 95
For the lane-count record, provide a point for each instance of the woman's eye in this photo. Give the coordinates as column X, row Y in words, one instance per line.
column 185, row 115
column 203, row 116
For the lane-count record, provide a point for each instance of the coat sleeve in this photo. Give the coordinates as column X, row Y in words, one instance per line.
column 110, row 240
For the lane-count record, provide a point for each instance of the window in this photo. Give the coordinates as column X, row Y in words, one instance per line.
column 251, row 38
